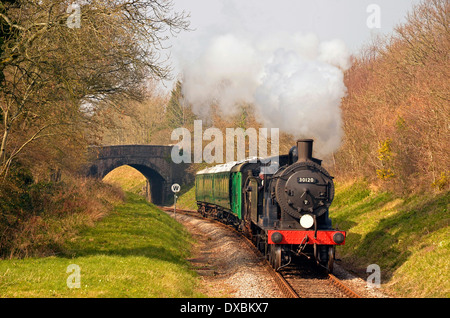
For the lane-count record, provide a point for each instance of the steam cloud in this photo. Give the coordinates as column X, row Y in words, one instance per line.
column 295, row 82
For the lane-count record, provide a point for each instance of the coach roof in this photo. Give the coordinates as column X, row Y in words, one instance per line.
column 226, row 167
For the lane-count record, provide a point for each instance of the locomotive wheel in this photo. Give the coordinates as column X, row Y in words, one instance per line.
column 270, row 254
column 331, row 254
column 259, row 242
column 275, row 256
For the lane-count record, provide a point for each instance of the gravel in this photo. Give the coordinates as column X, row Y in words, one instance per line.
column 357, row 284
column 227, row 266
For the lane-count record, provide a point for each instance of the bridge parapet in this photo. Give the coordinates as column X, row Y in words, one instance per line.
column 134, row 151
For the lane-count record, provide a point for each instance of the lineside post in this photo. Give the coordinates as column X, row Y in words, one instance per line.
column 175, row 189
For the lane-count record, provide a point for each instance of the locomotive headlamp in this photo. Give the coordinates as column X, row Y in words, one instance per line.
column 306, row 221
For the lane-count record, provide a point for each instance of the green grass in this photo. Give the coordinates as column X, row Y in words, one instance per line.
column 186, row 197
column 137, row 251
column 128, row 178
column 409, row 238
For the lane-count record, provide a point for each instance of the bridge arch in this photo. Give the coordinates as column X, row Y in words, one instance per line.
column 154, row 162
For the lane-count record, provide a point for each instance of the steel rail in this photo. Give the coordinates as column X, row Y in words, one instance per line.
column 341, row 286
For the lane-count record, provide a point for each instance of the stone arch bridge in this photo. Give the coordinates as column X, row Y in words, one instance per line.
column 154, row 162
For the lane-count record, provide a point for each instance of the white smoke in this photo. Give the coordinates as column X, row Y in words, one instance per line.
column 295, row 82
column 225, row 73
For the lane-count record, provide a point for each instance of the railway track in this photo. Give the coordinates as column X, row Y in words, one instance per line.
column 300, row 280
column 309, row 281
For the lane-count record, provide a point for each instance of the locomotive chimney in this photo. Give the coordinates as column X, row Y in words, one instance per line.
column 304, row 147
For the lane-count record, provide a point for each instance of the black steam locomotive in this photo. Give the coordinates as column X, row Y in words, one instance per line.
column 283, row 206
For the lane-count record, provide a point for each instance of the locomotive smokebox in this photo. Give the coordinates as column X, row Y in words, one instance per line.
column 304, row 148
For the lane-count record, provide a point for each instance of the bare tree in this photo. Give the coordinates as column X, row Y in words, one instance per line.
column 397, row 104
column 58, row 62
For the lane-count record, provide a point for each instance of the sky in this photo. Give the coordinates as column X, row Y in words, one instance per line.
column 329, row 19
column 346, row 20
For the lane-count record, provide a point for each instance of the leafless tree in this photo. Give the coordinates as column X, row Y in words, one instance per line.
column 58, row 62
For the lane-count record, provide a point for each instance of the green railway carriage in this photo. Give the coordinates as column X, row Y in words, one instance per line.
column 213, row 186
column 222, row 186
column 236, row 193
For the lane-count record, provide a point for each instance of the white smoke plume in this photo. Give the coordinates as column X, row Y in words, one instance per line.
column 295, row 82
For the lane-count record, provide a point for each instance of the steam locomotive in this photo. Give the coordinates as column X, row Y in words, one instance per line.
column 283, row 206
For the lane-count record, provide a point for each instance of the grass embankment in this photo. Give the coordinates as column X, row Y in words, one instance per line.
column 186, row 197
column 37, row 218
column 136, row 251
column 409, row 238
column 127, row 178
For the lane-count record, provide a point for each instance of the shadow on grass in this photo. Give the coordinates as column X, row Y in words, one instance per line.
column 137, row 228
column 390, row 242
column 185, row 188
